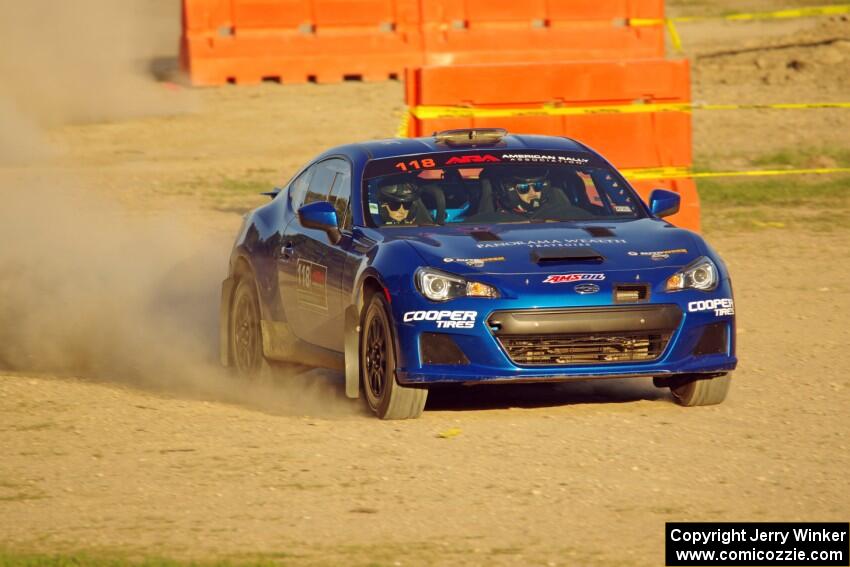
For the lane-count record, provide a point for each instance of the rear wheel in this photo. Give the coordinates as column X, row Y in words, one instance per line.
column 701, row 392
column 385, row 396
column 246, row 339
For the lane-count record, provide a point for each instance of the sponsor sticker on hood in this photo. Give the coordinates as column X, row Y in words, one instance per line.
column 569, row 278
column 552, row 243
column 474, row 262
column 659, row 254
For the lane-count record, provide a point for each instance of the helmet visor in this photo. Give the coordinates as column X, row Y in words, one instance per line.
column 398, row 205
column 524, row 187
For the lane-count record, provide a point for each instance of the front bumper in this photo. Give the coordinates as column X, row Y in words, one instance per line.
column 661, row 338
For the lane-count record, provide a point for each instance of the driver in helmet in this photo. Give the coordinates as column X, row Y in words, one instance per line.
column 396, row 200
column 523, row 192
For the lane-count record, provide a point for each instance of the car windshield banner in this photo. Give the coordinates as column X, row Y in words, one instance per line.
column 479, row 158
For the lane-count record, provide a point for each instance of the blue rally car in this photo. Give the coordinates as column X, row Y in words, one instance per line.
column 475, row 257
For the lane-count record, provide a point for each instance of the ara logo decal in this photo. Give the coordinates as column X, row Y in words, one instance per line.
column 567, row 278
column 721, row 307
column 444, row 319
column 486, row 158
column 312, row 289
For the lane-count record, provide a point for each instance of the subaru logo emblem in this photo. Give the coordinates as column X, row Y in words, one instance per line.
column 584, row 289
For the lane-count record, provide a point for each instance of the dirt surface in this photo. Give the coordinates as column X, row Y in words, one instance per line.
column 575, row 474
column 119, row 433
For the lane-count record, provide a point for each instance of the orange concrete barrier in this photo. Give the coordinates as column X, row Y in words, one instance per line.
column 247, row 41
column 296, row 41
column 499, row 31
column 548, row 98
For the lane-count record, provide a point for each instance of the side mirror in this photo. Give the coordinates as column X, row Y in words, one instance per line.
column 663, row 203
column 321, row 215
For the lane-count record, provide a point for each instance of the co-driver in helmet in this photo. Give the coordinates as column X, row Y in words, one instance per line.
column 396, row 200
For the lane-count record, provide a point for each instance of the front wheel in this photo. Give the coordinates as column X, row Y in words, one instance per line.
column 385, row 396
column 701, row 392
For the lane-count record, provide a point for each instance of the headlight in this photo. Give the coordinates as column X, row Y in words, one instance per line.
column 700, row 274
column 440, row 286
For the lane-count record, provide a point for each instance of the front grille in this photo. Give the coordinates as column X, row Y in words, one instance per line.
column 585, row 335
column 584, row 348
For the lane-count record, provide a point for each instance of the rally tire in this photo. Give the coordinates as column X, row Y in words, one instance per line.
column 387, row 398
column 702, row 392
column 245, row 334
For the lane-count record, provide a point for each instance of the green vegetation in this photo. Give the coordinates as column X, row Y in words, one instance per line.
column 792, row 191
column 819, row 203
column 237, row 193
column 805, row 158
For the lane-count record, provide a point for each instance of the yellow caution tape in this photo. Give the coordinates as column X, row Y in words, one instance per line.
column 831, row 10
column 676, row 40
column 684, row 172
column 432, row 112
column 402, row 127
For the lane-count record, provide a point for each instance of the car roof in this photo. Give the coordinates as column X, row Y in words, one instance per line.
column 377, row 149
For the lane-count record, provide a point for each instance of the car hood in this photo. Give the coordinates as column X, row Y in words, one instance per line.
column 551, row 248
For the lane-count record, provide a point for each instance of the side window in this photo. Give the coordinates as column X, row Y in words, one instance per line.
column 298, row 188
column 323, row 179
column 340, row 196
column 611, row 194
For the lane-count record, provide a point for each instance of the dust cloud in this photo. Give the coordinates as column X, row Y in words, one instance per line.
column 89, row 287
column 88, row 60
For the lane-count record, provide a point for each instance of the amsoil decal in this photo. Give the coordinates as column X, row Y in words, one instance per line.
column 312, row 284
column 552, row 243
column 444, row 319
column 569, row 278
column 660, row 254
column 721, row 307
column 545, row 158
column 463, row 160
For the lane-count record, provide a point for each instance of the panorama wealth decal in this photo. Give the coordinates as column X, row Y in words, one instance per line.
column 552, row 243
column 444, row 319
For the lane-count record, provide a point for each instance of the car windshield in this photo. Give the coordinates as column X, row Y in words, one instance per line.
column 495, row 187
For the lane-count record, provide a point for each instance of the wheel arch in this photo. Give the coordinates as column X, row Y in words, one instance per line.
column 241, row 267
column 370, row 283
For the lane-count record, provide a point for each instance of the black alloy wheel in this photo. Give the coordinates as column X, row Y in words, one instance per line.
column 385, row 396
